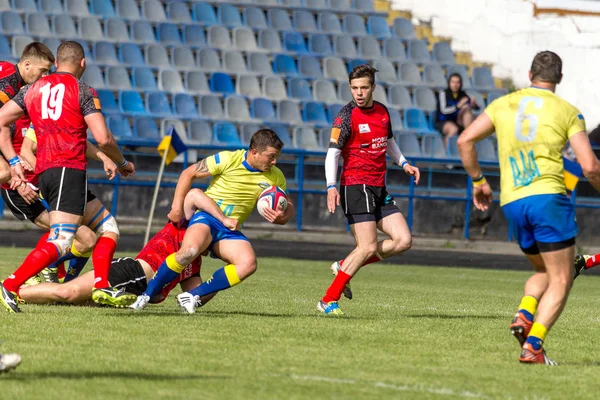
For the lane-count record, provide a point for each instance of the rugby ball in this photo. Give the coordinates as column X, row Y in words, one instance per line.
column 272, row 197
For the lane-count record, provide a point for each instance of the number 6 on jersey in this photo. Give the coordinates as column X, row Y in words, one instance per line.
column 52, row 100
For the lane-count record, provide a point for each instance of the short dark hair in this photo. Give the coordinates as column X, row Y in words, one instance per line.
column 38, row 51
column 70, row 52
column 546, row 67
column 264, row 138
column 456, row 75
column 363, row 71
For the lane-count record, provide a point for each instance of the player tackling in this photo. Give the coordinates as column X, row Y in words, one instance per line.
column 533, row 126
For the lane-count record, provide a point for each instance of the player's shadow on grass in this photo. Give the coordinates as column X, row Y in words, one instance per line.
column 77, row 375
column 224, row 314
column 455, row 316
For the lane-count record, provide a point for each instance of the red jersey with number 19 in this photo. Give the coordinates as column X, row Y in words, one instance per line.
column 57, row 105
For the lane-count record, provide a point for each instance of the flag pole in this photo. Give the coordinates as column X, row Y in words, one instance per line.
column 156, row 189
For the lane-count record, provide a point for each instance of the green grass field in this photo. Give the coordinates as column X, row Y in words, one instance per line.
column 410, row 332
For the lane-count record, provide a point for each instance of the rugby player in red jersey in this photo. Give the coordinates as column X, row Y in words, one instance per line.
column 62, row 107
column 362, row 135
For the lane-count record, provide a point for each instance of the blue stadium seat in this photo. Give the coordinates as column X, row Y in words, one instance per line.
column 221, row 83
column 259, row 64
column 196, row 82
column 309, row 66
column 204, row 14
column 244, row 40
column 368, row 48
column 329, row 23
column 131, row 54
column 306, row 138
column 462, row 71
column 443, row 54
column 105, row 53
column 12, row 24
column 491, row 96
column 64, row 26
column 128, row 9
column 86, row 49
column 158, row 104
column 93, row 77
column 168, row 34
column 284, row 134
column 51, row 7
column 409, row 144
column 393, row 49
column 425, row 99
column 37, row 25
column 418, row 52
column 193, row 35
column 146, row 128
column 288, row 112
column 248, row 85
column 131, row 103
column 363, row 5
column 279, row 19
column 284, row 64
column 344, row 46
column 169, row 80
column 354, row 25
column 254, row 17
column 108, row 102
column 294, row 42
column 333, row 110
column 153, row 10
column 218, row 37
column 77, row 8
column 142, row 32
column 102, row 8
column 236, row 109
column 5, row 50
column 482, row 79
column 234, row 62
column 117, row 78
column 452, row 147
column 182, row 58
column 399, row 97
column 185, row 106
column 335, row 68
column 178, row 12
column 486, row 150
column 355, row 63
column 116, row 30
column 433, row 146
column 226, row 134
column 24, row 6
column 156, row 56
column 378, row 27
column 299, row 88
column 209, row 60
column 415, row 120
column 403, row 29
column 314, row 113
column 304, row 21
column 200, row 132
column 263, row 109
column 143, row 78
column 274, row 88
column 339, row 5
column 320, row 44
column 119, row 127
column 269, row 40
column 228, row 15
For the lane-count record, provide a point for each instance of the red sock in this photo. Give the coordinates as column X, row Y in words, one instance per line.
column 37, row 260
column 102, row 258
column 335, row 290
column 373, row 259
column 592, row 261
column 61, row 271
column 43, row 239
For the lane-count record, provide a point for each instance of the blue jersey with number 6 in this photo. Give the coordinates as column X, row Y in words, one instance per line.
column 532, row 127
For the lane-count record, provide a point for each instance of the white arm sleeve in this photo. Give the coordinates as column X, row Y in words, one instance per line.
column 331, row 165
column 444, row 107
column 394, row 152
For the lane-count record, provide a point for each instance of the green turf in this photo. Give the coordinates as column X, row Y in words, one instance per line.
column 410, row 332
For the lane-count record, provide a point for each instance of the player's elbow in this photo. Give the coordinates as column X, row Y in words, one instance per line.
column 591, row 168
column 105, row 140
column 4, row 175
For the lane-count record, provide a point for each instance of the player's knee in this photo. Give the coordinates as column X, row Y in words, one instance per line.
column 62, row 239
column 186, row 255
column 68, row 294
column 368, row 249
column 246, row 268
column 402, row 244
column 109, row 225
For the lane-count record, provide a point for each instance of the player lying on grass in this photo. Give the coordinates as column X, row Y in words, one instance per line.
column 133, row 274
column 237, row 179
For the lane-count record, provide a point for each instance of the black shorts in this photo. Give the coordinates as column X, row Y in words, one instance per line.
column 363, row 203
column 128, row 273
column 20, row 209
column 65, row 189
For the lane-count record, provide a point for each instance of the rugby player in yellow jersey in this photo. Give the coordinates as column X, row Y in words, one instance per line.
column 237, row 179
column 532, row 126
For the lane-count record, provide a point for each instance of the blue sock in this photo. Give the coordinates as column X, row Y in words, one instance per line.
column 163, row 277
column 66, row 257
column 535, row 342
column 527, row 315
column 75, row 267
column 222, row 279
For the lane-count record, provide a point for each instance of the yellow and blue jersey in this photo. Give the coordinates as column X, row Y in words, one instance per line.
column 235, row 185
column 532, row 127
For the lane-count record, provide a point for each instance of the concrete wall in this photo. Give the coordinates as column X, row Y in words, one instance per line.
column 507, row 34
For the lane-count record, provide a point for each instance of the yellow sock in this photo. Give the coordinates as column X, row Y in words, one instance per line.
column 529, row 304
column 78, row 254
column 539, row 331
column 173, row 265
column 232, row 275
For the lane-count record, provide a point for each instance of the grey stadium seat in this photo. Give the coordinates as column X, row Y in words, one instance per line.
column 434, row 77
column 248, row 85
column 334, row 68
column 90, row 29
column 380, row 95
column 183, row 58
column 344, row 46
column 19, row 43
column 259, row 63
column 386, row 71
column 142, row 32
column 218, row 37
column 368, row 48
column 93, row 77
column 118, row 78
column 196, row 82
column 116, row 30
column 288, row 111
column 209, row 60
column 329, row 23
column 269, row 40
column 169, row 80
column 306, row 138
column 128, row 9
column 408, row 74
column 274, row 88
column 425, row 99
column 324, row 91
column 280, row 19
column 38, row 25
column 77, row 8
column 244, row 39
column 156, row 56
column 236, row 109
column 393, row 49
column 233, row 62
column 154, row 11
column 210, row 107
column 443, row 54
column 399, row 97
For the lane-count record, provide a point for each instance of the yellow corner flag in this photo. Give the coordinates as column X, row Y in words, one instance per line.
column 172, row 144
column 573, row 172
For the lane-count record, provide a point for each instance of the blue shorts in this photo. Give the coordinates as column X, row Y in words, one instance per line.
column 218, row 231
column 541, row 219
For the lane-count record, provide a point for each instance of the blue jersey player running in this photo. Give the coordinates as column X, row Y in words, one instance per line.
column 533, row 125
column 237, row 179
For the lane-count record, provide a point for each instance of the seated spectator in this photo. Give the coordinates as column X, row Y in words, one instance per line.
column 454, row 109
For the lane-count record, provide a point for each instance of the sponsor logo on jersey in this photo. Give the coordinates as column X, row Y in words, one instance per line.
column 363, row 128
column 264, row 185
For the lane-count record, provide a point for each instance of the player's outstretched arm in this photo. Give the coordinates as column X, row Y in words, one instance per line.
column 9, row 114
column 28, row 149
column 184, row 184
column 586, row 158
column 107, row 143
column 196, row 199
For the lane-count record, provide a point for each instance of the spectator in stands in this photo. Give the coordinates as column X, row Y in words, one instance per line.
column 454, row 109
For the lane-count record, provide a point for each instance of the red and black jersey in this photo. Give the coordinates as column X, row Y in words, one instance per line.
column 57, row 105
column 17, row 132
column 362, row 135
column 10, row 81
column 166, row 242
